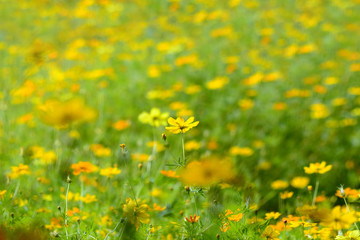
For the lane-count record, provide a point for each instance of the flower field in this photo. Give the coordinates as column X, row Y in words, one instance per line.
column 179, row 119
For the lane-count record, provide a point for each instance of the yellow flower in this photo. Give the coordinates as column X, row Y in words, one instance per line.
column 158, row 208
column 245, row 151
column 339, row 101
column 153, row 71
column 2, row 193
column 318, row 168
column 350, row 235
column 141, row 157
column 279, row 184
column 270, row 233
column 110, row 171
column 272, row 215
column 61, row 114
column 88, row 198
column 170, row 173
column 155, row 118
column 100, row 151
column 192, row 145
column 85, row 167
column 19, row 170
column 286, row 194
column 339, row 218
column 207, row 172
column 180, row 125
column 217, row 83
column 300, row 182
column 246, row 104
column 136, row 212
column 236, row 217
column 319, row 111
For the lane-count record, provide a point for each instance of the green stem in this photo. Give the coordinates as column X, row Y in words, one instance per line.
column 81, row 193
column 66, row 210
column 316, row 191
column 348, row 208
column 183, row 148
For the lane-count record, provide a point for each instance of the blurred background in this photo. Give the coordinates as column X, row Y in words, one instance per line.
column 274, row 84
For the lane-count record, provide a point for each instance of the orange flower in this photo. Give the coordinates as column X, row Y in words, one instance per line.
column 158, row 208
column 170, row 173
column 347, row 192
column 121, row 125
column 192, row 219
column 85, row 167
column 236, row 217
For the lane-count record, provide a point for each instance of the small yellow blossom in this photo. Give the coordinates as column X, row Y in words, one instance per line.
column 180, row 125
column 2, row 193
column 100, row 151
column 155, row 118
column 317, row 168
column 300, row 182
column 279, row 184
column 17, row 171
column 245, row 151
column 110, row 172
column 286, row 195
column 272, row 215
column 217, row 83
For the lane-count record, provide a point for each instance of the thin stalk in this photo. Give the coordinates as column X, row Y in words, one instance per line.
column 81, row 193
column 16, row 189
column 316, row 191
column 183, row 148
column 348, row 208
column 113, row 230
column 66, row 210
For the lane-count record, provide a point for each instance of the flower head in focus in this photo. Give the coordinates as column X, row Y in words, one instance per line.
column 179, row 125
